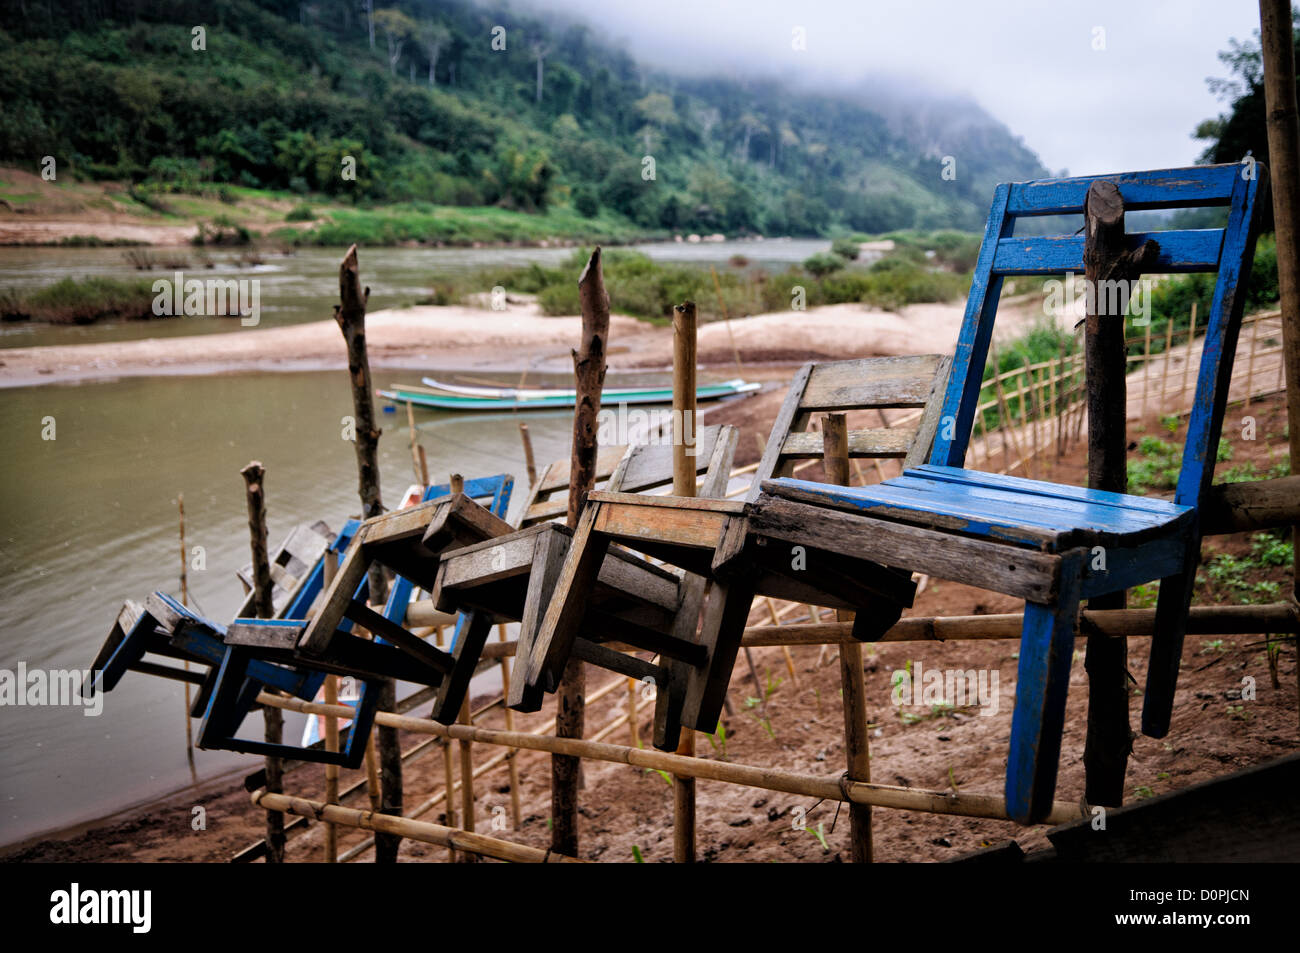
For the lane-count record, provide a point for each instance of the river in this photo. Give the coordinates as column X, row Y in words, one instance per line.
column 89, row 518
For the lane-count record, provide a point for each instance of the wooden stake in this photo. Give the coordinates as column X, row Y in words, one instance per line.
column 529, row 465
column 589, row 377
column 835, row 459
column 1187, row 360
column 1284, row 158
column 273, row 719
column 633, row 725
column 513, row 754
column 1109, row 738
column 684, row 360
column 331, row 770
column 466, row 781
column 424, row 466
column 350, row 314
column 722, row 306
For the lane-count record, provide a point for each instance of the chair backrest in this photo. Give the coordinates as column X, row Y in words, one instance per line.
column 1227, row 251
column 864, row 384
column 636, row 469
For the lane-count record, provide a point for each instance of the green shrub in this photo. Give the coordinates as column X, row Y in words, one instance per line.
column 846, row 248
column 822, row 264
column 300, row 213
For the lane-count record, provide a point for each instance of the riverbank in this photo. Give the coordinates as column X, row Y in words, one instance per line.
column 515, row 339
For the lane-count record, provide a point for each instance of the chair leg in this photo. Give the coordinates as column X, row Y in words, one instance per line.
column 474, row 630
column 549, row 554
column 1167, row 651
column 1042, row 686
column 722, row 627
column 563, row 619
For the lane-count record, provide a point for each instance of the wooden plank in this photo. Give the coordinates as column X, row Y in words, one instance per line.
column 928, row 428
column 1246, row 816
column 890, row 442
column 870, row 382
column 1055, row 490
column 336, row 599
column 474, row 629
column 459, row 521
column 654, row 528
column 1181, row 252
column 1162, row 188
column 722, row 627
column 670, row 502
column 997, row 566
column 786, row 417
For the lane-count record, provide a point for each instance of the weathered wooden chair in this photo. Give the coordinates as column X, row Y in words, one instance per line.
column 164, row 627
column 252, row 642
column 708, row 538
column 292, row 566
column 510, row 578
column 1033, row 539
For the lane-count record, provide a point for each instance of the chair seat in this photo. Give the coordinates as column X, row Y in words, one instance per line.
column 1047, row 516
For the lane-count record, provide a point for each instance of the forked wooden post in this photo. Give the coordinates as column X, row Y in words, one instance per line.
column 350, row 314
column 1284, row 160
column 273, row 718
column 835, row 460
column 1105, row 260
column 589, row 378
column 684, row 340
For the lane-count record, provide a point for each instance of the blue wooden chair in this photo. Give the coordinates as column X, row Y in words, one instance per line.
column 259, row 642
column 1034, row 539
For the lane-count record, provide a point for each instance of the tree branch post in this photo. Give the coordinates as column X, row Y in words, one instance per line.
column 589, row 377
column 351, row 317
column 273, row 719
column 1105, row 259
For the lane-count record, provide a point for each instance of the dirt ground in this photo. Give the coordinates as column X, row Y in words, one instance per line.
column 799, row 728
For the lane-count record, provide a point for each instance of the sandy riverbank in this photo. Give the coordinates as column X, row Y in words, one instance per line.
column 521, row 337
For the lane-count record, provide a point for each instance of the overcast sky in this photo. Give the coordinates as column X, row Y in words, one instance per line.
column 1131, row 105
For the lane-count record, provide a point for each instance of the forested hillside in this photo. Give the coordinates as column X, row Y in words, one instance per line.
column 460, row 103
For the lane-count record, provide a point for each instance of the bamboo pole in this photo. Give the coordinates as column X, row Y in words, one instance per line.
column 415, row 452
column 329, row 568
column 1146, row 367
column 510, row 726
column 398, row 827
column 684, row 358
column 634, row 727
column 726, row 318
column 835, row 457
column 466, row 780
column 273, row 721
column 1187, row 359
column 771, row 779
column 350, row 315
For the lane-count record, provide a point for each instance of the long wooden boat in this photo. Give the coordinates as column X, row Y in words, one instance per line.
column 517, row 400
column 531, row 393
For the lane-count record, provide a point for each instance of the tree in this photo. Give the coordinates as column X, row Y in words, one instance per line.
column 370, row 21
column 435, row 37
column 398, row 28
column 540, row 49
